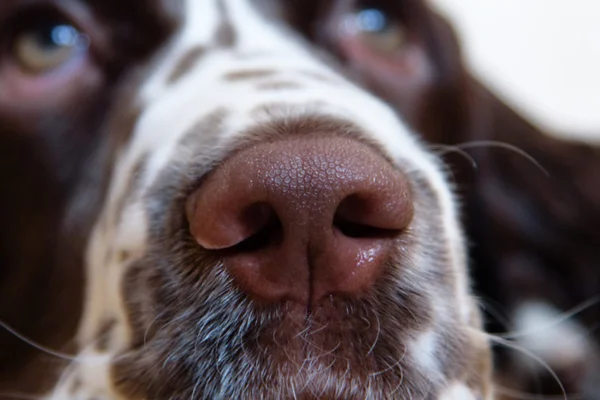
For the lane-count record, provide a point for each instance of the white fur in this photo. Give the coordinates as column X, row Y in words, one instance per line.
column 423, row 353
column 560, row 343
column 458, row 391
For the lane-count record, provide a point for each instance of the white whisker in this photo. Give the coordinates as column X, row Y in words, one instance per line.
column 503, row 145
column 561, row 318
column 43, row 349
column 539, row 360
column 447, row 149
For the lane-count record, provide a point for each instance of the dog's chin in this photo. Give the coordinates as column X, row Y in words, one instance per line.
column 340, row 348
column 336, row 333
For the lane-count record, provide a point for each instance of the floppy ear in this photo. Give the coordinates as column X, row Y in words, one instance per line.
column 534, row 209
column 531, row 207
column 532, row 213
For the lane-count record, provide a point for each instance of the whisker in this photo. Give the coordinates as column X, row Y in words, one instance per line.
column 319, row 329
column 376, row 336
column 539, row 360
column 43, row 349
column 303, row 332
column 321, row 351
column 159, row 315
column 399, row 385
column 290, row 358
column 447, row 149
column 389, row 367
column 560, row 318
column 196, row 386
column 503, row 145
column 493, row 311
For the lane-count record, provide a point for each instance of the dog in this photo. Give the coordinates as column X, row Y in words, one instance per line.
column 245, row 199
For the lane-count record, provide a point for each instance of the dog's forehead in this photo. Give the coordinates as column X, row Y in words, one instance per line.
column 208, row 28
column 228, row 55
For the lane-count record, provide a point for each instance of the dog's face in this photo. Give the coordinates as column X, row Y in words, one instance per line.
column 223, row 208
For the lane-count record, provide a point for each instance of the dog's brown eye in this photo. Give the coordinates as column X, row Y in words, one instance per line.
column 375, row 28
column 43, row 47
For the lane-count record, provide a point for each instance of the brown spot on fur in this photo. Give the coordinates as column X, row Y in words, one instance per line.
column 209, row 128
column 76, row 385
column 186, row 63
column 103, row 334
column 248, row 74
column 124, row 255
column 225, row 35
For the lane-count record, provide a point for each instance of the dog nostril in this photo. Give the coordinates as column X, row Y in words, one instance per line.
column 360, row 217
column 357, row 231
column 263, row 226
column 246, row 230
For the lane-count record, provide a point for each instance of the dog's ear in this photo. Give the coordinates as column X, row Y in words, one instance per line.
column 538, row 202
column 532, row 211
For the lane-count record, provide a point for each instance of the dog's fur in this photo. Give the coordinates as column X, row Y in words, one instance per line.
column 97, row 161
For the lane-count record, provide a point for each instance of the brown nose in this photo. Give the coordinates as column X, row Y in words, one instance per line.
column 303, row 218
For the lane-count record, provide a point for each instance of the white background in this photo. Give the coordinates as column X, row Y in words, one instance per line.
column 543, row 56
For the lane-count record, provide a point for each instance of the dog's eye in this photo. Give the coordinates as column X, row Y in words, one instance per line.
column 50, row 54
column 375, row 28
column 47, row 45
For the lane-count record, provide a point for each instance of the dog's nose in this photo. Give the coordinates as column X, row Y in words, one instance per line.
column 301, row 219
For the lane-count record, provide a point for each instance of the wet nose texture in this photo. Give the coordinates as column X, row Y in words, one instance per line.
column 301, row 219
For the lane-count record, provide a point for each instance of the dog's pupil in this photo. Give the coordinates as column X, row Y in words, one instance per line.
column 53, row 36
column 372, row 20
